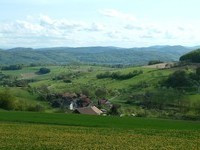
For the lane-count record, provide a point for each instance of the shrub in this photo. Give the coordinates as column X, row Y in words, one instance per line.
column 114, row 109
column 44, row 71
column 67, row 80
column 179, row 79
column 7, row 101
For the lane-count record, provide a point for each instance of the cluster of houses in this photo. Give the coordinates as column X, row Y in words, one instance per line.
column 79, row 103
column 84, row 105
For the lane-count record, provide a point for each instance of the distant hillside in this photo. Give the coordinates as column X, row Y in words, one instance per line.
column 98, row 55
column 193, row 56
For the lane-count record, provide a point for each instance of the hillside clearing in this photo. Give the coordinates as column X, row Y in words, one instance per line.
column 28, row 75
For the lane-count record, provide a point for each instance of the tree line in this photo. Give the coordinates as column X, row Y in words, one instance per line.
column 119, row 75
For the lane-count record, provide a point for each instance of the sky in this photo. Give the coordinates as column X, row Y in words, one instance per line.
column 81, row 23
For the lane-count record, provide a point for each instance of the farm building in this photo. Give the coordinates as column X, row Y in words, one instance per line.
column 91, row 110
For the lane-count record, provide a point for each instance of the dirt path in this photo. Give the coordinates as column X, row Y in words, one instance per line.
column 159, row 66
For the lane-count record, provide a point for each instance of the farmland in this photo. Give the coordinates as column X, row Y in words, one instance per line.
column 140, row 126
column 137, row 90
column 25, row 130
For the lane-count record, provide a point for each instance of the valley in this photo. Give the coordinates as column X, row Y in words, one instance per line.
column 134, row 90
column 144, row 106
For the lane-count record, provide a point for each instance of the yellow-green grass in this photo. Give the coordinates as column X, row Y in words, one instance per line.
column 17, row 136
column 23, row 130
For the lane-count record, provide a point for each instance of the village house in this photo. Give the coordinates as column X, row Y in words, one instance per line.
column 90, row 110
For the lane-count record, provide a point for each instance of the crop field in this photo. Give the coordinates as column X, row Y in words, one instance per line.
column 36, row 136
column 23, row 130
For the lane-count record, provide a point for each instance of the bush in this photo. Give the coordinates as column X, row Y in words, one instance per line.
column 67, row 80
column 114, row 109
column 44, row 71
column 7, row 101
column 178, row 79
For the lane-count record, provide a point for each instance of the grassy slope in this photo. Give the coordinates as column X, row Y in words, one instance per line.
column 86, row 77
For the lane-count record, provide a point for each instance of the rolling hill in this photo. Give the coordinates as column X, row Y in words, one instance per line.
column 92, row 55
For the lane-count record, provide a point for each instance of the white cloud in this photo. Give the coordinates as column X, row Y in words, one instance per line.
column 46, row 20
column 133, row 27
column 95, row 27
column 117, row 14
column 45, row 31
column 61, row 24
column 25, row 26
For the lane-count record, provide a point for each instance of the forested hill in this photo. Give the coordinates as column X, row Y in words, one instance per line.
column 98, row 55
column 193, row 56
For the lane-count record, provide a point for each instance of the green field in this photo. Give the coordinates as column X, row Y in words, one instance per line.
column 96, row 121
column 25, row 130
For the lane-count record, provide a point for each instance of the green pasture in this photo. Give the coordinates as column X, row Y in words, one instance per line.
column 97, row 121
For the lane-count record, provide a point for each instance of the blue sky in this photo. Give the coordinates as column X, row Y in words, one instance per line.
column 122, row 23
